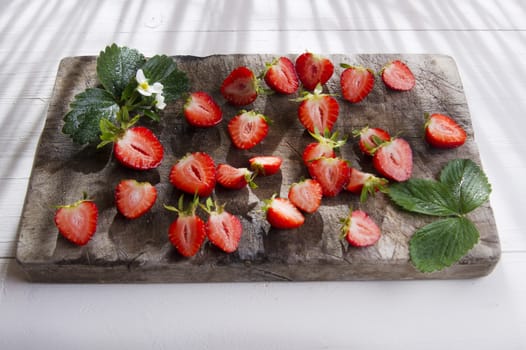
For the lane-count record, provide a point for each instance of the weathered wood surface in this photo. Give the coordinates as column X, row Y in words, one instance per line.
column 139, row 250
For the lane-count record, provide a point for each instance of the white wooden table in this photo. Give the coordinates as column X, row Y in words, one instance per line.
column 486, row 38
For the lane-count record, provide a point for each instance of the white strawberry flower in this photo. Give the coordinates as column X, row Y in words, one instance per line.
column 145, row 88
column 159, row 101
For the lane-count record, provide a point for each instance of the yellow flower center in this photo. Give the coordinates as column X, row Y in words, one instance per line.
column 144, row 85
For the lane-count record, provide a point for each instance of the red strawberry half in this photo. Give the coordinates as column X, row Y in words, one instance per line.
column 281, row 76
column 201, row 110
column 318, row 112
column 356, row 83
column 138, row 148
column 363, row 183
column 394, row 160
column 396, row 75
column 324, row 147
column 332, row 174
column 313, row 70
column 306, row 195
column 134, row 198
column 360, row 230
column 265, row 165
column 195, row 173
column 186, row 233
column 240, row 87
column 443, row 132
column 247, row 129
column 223, row 229
column 234, row 178
column 282, row 214
column 78, row 221
column 371, row 138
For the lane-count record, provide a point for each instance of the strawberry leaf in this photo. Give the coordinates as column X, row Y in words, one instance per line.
column 424, row 196
column 442, row 243
column 87, row 109
column 116, row 67
column 163, row 69
column 468, row 183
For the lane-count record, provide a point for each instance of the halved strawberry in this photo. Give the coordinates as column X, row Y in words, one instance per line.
column 306, row 195
column 281, row 77
column 247, row 129
column 396, row 75
column 240, row 87
column 133, row 198
column 138, row 148
column 313, row 70
column 318, row 112
column 201, row 110
column 324, row 147
column 186, row 233
column 77, row 222
column 371, row 138
column 195, row 173
column 265, row 165
column 364, row 184
column 332, row 174
column 234, row 178
column 356, row 82
column 223, row 229
column 360, row 230
column 443, row 132
column 282, row 214
column 394, row 160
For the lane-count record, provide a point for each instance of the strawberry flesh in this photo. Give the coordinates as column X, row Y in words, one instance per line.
column 201, row 110
column 247, row 129
column 356, row 83
column 371, row 138
column 396, row 75
column 318, row 113
column 332, row 174
column 313, row 70
column 265, row 165
column 224, row 230
column 306, row 195
column 194, row 173
column 442, row 131
column 187, row 233
column 282, row 214
column 360, row 230
column 138, row 148
column 394, row 160
column 77, row 222
column 231, row 177
column 281, row 76
column 133, row 199
column 240, row 87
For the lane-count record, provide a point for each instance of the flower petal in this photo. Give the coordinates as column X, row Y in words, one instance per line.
column 157, row 88
column 159, row 101
column 140, row 77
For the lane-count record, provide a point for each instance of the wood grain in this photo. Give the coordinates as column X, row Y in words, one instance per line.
column 139, row 250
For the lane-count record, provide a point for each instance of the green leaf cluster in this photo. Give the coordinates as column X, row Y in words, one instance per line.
column 462, row 188
column 117, row 100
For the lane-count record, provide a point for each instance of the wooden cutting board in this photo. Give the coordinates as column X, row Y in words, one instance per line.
column 139, row 250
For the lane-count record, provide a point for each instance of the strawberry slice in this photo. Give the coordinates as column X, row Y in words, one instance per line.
column 282, row 214
column 360, row 230
column 77, row 222
column 247, row 129
column 318, row 112
column 240, row 87
column 371, row 138
column 234, row 178
column 306, row 195
column 324, row 147
column 394, row 160
column 201, row 110
column 332, row 174
column 356, row 82
column 223, row 229
column 313, row 70
column 138, row 148
column 195, row 173
column 186, row 233
column 443, row 132
column 396, row 75
column 364, row 184
column 133, row 199
column 281, row 77
column 265, row 165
